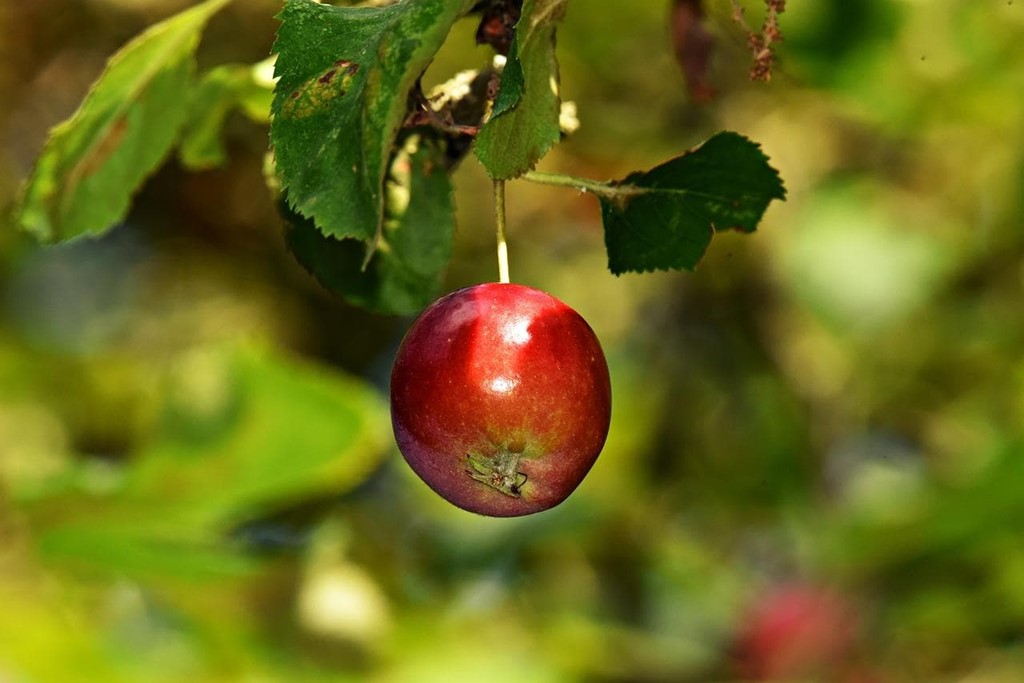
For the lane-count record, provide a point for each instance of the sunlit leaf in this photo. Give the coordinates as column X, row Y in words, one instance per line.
column 220, row 91
column 92, row 163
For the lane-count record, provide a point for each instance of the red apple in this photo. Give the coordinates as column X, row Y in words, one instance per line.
column 500, row 399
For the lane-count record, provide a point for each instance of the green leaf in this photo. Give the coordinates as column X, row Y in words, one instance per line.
column 524, row 120
column 142, row 549
column 405, row 272
column 221, row 91
column 245, row 453
column 664, row 218
column 92, row 163
column 242, row 433
column 345, row 76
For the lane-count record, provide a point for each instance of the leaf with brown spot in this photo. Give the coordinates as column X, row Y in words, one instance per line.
column 313, row 95
column 335, row 123
column 92, row 163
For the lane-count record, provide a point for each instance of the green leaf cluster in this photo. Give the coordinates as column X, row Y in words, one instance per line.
column 404, row 272
column 362, row 158
column 371, row 219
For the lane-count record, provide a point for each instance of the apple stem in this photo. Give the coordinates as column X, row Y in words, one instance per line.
column 499, row 213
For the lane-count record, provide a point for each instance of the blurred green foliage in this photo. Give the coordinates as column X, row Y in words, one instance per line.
column 196, row 476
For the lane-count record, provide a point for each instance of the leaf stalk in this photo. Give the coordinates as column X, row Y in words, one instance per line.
column 595, row 187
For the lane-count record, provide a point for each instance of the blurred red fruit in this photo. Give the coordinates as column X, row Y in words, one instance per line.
column 797, row 631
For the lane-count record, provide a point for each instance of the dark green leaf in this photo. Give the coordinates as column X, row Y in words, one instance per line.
column 345, row 76
column 404, row 274
column 664, row 218
column 524, row 121
column 220, row 91
column 93, row 162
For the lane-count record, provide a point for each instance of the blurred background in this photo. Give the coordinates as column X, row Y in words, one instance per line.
column 816, row 465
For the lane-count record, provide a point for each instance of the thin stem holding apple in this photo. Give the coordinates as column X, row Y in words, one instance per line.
column 499, row 214
column 615, row 192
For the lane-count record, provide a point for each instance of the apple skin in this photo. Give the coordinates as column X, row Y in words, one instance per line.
column 500, row 399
